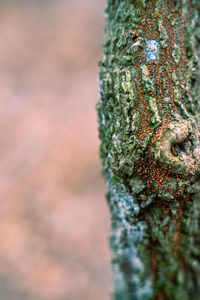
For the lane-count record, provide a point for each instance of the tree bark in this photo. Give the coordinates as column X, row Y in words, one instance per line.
column 150, row 151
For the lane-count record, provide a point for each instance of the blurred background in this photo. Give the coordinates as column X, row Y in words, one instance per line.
column 54, row 221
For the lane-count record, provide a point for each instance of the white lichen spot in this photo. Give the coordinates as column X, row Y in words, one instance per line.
column 152, row 46
column 151, row 50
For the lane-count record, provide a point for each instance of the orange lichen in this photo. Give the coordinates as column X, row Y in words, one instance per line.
column 160, row 70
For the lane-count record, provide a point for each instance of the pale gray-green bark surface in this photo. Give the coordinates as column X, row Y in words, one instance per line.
column 149, row 130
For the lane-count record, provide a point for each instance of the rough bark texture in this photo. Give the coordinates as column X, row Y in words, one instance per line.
column 149, row 128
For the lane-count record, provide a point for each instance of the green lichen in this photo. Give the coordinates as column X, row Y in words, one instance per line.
column 149, row 129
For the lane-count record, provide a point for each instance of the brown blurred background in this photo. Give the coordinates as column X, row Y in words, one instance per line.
column 54, row 221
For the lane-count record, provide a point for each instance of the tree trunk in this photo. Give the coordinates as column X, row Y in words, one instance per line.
column 150, row 151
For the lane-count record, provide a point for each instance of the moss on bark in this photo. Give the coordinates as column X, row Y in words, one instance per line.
column 149, row 130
